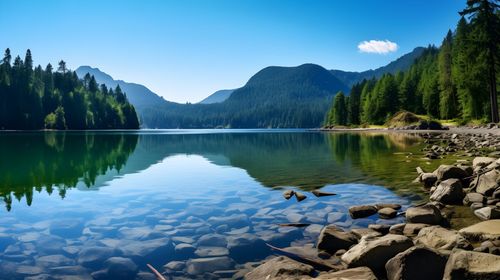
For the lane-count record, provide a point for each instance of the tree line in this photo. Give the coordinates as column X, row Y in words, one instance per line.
column 455, row 81
column 34, row 98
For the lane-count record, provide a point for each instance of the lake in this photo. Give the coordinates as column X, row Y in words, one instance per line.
column 204, row 201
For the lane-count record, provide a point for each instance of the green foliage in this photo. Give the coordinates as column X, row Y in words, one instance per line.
column 36, row 99
column 456, row 81
column 338, row 113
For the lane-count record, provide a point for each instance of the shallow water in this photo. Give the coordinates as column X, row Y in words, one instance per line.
column 72, row 200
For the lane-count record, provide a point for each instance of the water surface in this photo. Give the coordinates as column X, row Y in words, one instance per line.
column 72, row 200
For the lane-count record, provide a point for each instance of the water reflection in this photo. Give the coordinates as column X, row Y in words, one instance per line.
column 54, row 161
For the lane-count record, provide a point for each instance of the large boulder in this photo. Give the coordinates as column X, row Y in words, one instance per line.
column 362, row 211
column 426, row 214
column 448, row 192
column 487, row 183
column 202, row 265
column 333, row 238
column 487, row 230
column 416, row 263
column 357, row 273
column 482, row 162
column 487, row 213
column 440, row 238
column 374, row 252
column 280, row 268
column 463, row 265
column 444, row 172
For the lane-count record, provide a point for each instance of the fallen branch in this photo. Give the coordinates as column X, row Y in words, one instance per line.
column 156, row 273
column 318, row 263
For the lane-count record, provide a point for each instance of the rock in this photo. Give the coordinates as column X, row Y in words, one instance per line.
column 416, row 263
column 482, row 161
column 319, row 193
column 280, row 268
column 358, row 273
column 295, row 217
column 449, row 192
column 145, row 276
column 411, row 230
column 444, row 172
column 333, row 238
column 476, row 205
column 232, row 221
column 487, row 183
column 93, row 257
column 67, row 228
column 183, row 250
column 496, row 193
column 175, row 265
column 53, row 261
column 473, row 198
column 388, row 205
column 439, row 238
column 397, row 228
column 375, row 252
column 487, row 230
column 211, row 251
column 148, row 251
column 239, row 247
column 428, row 179
column 336, row 217
column 288, row 194
column 383, row 229
column 471, row 265
column 387, row 213
column 487, row 213
column 202, row 265
column 426, row 214
column 362, row 211
column 120, row 268
column 300, row 196
column 49, row 244
column 212, row 239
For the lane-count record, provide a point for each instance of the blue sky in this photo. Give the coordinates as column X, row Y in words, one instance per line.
column 185, row 50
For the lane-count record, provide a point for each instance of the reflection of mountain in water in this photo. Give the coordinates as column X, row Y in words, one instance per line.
column 306, row 160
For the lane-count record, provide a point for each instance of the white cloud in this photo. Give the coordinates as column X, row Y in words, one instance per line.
column 378, row 46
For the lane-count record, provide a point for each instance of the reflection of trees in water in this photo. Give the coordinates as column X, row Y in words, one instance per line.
column 58, row 161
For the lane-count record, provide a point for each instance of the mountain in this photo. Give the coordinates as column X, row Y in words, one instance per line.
column 140, row 96
column 401, row 64
column 218, row 96
column 292, row 97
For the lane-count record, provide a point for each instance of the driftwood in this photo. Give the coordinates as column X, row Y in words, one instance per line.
column 156, row 273
column 317, row 263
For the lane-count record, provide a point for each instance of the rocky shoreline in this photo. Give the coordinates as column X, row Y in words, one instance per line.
column 424, row 247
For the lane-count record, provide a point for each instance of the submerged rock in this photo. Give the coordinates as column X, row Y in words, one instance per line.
column 375, row 252
column 93, row 257
column 471, row 265
column 202, row 265
column 416, row 263
column 362, row 211
column 280, row 268
column 333, row 238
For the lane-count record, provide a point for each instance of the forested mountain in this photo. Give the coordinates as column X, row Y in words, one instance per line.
column 274, row 97
column 456, row 81
column 401, row 64
column 36, row 98
column 140, row 96
column 218, row 96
